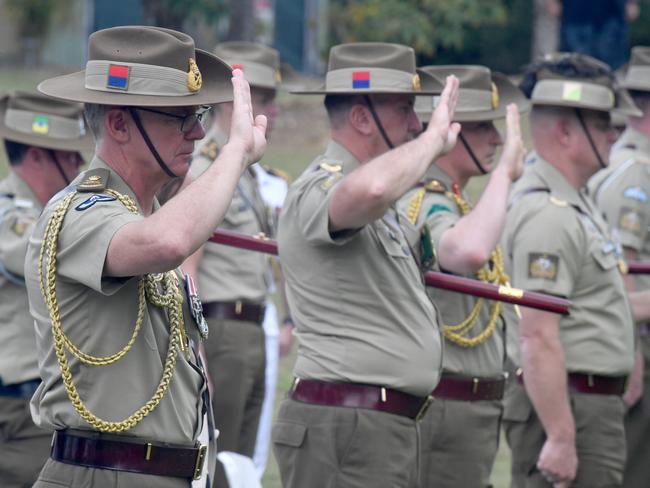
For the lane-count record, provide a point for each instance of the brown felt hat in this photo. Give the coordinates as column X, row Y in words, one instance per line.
column 144, row 66
column 593, row 93
column 260, row 64
column 371, row 68
column 482, row 95
column 638, row 73
column 36, row 120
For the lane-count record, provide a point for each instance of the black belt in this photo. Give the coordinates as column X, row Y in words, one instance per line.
column 26, row 389
column 239, row 310
column 132, row 455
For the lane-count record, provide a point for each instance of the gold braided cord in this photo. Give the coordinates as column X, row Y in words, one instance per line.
column 171, row 299
column 415, row 204
column 493, row 272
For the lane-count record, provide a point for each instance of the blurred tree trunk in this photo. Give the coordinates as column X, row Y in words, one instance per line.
column 546, row 30
column 242, row 20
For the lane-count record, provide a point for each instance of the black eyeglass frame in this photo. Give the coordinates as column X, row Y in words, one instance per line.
column 188, row 122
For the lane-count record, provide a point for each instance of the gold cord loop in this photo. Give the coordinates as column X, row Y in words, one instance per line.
column 149, row 289
column 493, row 272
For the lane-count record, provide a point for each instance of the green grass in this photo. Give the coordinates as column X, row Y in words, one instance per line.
column 299, row 136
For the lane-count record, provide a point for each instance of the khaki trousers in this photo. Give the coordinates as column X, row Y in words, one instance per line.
column 637, row 430
column 24, row 447
column 340, row 447
column 60, row 475
column 600, row 439
column 459, row 442
column 236, row 361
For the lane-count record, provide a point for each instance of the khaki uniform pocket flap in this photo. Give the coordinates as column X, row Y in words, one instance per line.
column 289, row 433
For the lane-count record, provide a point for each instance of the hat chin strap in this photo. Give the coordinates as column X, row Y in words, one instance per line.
column 56, row 162
column 471, row 154
column 375, row 117
column 147, row 141
column 589, row 138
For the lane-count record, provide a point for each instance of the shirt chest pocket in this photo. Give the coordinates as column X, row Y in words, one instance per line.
column 392, row 242
column 240, row 215
column 604, row 256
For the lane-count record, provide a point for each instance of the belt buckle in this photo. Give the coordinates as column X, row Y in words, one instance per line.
column 423, row 408
column 200, row 461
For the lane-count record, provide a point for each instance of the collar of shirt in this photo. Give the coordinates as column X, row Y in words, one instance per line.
column 342, row 156
column 557, row 183
column 638, row 139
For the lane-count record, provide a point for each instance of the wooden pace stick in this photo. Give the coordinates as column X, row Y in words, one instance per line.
column 638, row 267
column 459, row 284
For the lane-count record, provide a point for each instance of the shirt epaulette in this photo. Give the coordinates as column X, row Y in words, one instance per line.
column 279, row 173
column 210, row 150
column 95, row 180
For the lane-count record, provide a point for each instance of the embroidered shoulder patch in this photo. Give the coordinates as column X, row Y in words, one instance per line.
column 89, row 202
column 543, row 266
column 636, row 193
column 630, row 220
column 21, row 224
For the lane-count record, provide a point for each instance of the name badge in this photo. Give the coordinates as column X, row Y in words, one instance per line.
column 194, row 304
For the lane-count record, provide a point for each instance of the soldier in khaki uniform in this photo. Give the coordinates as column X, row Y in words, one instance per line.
column 460, row 432
column 43, row 138
column 566, row 427
column 234, row 283
column 622, row 192
column 369, row 348
column 123, row 386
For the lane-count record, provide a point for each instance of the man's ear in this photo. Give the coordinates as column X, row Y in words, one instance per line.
column 564, row 130
column 359, row 118
column 36, row 156
column 117, row 125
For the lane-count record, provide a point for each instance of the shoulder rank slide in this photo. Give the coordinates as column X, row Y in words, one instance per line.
column 279, row 173
column 331, row 168
column 94, row 181
column 434, row 186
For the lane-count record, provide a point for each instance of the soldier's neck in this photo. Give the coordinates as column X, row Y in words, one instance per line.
column 641, row 124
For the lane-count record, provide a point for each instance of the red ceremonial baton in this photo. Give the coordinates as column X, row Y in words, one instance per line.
column 638, row 267
column 433, row 279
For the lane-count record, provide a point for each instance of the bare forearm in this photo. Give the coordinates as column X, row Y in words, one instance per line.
column 366, row 194
column 166, row 238
column 640, row 304
column 466, row 246
column 545, row 375
column 545, row 378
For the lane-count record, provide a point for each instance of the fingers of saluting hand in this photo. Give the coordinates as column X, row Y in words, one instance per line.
column 512, row 123
column 241, row 93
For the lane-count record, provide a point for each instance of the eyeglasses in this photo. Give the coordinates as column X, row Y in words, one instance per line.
column 188, row 122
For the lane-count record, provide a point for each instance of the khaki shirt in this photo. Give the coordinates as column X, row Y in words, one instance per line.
column 98, row 314
column 622, row 193
column 227, row 273
column 357, row 298
column 558, row 243
column 19, row 210
column 439, row 212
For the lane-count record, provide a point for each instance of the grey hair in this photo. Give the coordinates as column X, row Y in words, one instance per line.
column 94, row 114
